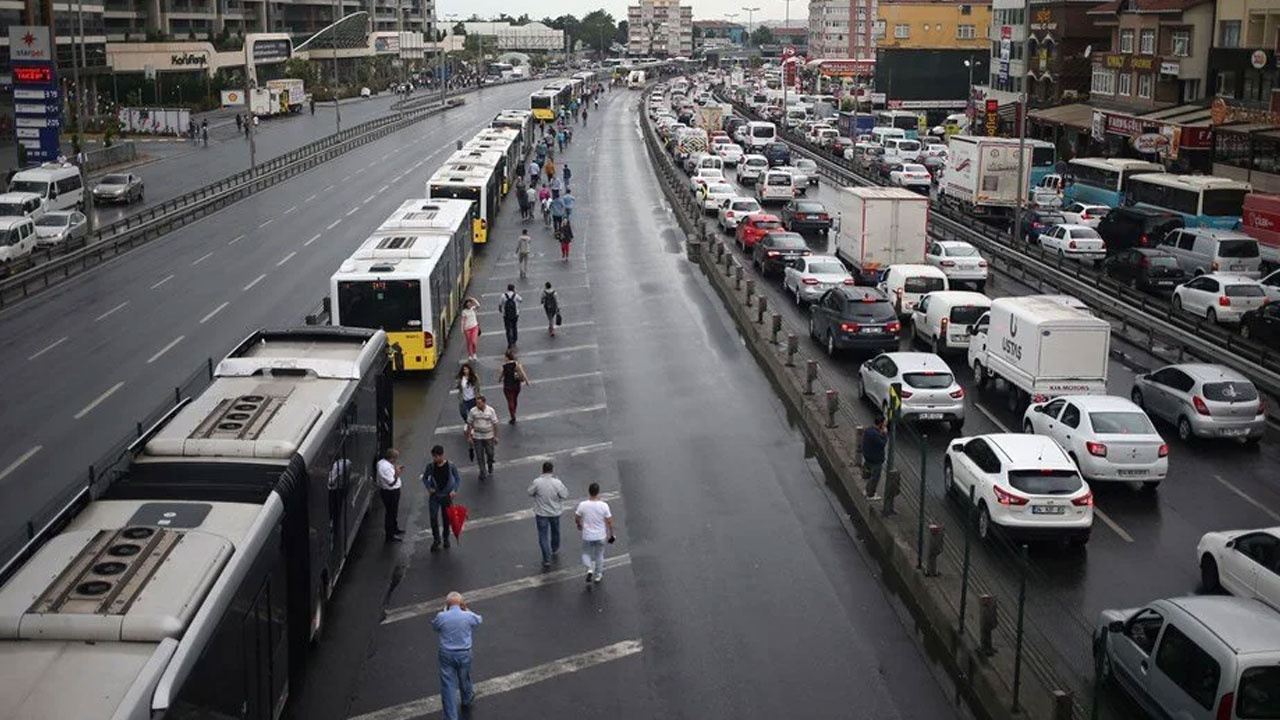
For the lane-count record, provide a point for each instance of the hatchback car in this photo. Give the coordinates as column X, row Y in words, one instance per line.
column 716, row 193
column 927, row 389
column 1108, row 437
column 1076, row 242
column 751, row 167
column 1262, row 325
column 733, row 209
column 910, row 175
column 776, row 250
column 1126, row 227
column 1271, row 286
column 1023, row 485
column 808, row 277
column 730, row 153
column 1085, row 214
column 118, row 187
column 1219, row 298
column 806, row 216
column 703, row 175
column 852, row 317
column 1147, row 269
column 959, row 261
column 753, row 227
column 1245, row 563
column 1202, row 400
column 777, row 153
column 61, row 228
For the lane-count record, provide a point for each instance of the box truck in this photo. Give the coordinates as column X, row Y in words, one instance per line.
column 981, row 176
column 293, row 92
column 265, row 102
column 1261, row 220
column 711, row 117
column 1040, row 348
column 880, row 226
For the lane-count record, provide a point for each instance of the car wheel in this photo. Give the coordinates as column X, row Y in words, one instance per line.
column 980, row 376
column 812, row 330
column 1211, row 316
column 862, row 388
column 1028, row 428
column 831, row 346
column 984, row 522
column 1177, row 303
column 1184, row 429
column 948, row 479
column 1209, row 581
column 1136, row 397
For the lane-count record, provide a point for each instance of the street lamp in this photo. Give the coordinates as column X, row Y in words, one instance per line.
column 968, row 98
column 750, row 15
column 786, row 23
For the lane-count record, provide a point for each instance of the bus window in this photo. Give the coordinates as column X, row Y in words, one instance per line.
column 387, row 304
column 1225, row 202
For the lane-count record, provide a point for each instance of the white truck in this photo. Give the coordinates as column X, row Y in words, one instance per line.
column 981, row 176
column 636, row 79
column 293, row 91
column 711, row 117
column 1040, row 348
column 265, row 102
column 880, row 226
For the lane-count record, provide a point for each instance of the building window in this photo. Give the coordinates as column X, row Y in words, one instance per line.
column 858, row 40
column 966, row 32
column 966, row 9
column 1144, row 86
column 902, row 31
column 1191, row 90
column 1227, row 83
column 1180, row 43
column 862, row 13
column 1104, row 81
column 1147, row 43
column 1125, row 86
column 1126, row 41
column 862, row 28
column 878, row 29
column 1229, row 33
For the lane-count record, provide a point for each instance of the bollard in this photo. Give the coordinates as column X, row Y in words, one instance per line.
column 751, row 289
column 793, row 347
column 810, row 375
column 858, row 432
column 458, row 146
column 987, row 621
column 892, row 486
column 719, row 251
column 728, row 263
column 932, row 549
column 737, row 277
column 761, row 306
column 833, row 404
column 775, row 327
column 1063, row 702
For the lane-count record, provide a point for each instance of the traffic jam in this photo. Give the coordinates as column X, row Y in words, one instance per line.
column 1145, row 490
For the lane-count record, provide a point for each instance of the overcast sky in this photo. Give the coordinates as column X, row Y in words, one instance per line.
column 702, row 9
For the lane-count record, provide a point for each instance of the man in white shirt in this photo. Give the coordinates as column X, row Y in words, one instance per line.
column 482, row 428
column 389, row 489
column 595, row 521
column 548, row 495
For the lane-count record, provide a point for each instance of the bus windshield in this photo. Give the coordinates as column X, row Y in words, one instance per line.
column 906, row 122
column 1224, row 202
column 540, row 101
column 1043, row 157
column 392, row 305
column 460, row 192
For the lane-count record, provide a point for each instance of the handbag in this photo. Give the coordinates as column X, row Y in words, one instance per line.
column 559, row 319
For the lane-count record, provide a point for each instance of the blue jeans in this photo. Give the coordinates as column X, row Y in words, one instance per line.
column 593, row 556
column 455, row 676
column 548, row 536
column 464, row 407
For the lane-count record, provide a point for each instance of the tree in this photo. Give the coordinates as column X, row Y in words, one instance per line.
column 459, row 29
column 623, row 34
column 762, row 36
column 568, row 24
column 596, row 30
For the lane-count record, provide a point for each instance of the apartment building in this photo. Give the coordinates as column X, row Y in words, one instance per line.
column 932, row 24
column 829, row 28
column 930, row 52
column 1158, row 54
column 660, row 28
column 1042, row 47
column 131, row 20
column 1243, row 60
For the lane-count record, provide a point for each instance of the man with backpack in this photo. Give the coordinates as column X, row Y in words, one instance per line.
column 441, row 479
column 510, row 307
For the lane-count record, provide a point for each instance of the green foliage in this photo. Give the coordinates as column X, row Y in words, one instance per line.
column 762, row 36
column 597, row 28
column 621, row 36
column 846, row 103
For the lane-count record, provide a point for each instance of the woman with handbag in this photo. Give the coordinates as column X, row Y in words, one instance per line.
column 551, row 304
column 471, row 326
column 512, row 377
column 565, row 235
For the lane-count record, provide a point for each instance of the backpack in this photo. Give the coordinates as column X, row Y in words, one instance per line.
column 550, row 302
column 509, row 309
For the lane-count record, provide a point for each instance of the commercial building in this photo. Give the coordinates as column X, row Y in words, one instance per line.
column 660, row 28
column 179, row 20
column 717, row 35
column 1159, row 52
column 1244, row 61
column 932, row 25
column 505, row 37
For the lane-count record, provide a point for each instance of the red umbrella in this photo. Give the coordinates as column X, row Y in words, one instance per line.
column 457, row 517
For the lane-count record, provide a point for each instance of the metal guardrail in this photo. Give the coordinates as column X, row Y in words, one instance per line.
column 1150, row 316
column 128, row 233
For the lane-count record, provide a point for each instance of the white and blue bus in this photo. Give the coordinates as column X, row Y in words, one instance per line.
column 905, row 121
column 1044, row 158
column 1202, row 200
column 1103, row 181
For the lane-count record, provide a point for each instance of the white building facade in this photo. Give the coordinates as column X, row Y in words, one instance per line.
column 660, row 27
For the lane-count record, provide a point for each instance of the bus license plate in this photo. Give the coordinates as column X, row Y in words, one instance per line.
column 1048, row 510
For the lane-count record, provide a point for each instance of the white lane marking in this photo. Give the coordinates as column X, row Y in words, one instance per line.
column 256, row 280
column 360, row 170
column 1112, row 524
column 327, row 188
column 21, row 459
column 265, row 223
column 48, row 347
column 517, row 515
column 165, row 280
column 344, row 179
column 291, row 209
column 165, row 349
column 371, row 163
column 111, row 312
column 536, row 416
column 569, row 452
column 213, row 312
column 334, row 224
column 383, row 188
column 994, row 420
column 202, row 258
column 368, row 199
column 353, row 211
column 529, row 582
column 513, row 681
column 311, row 197
column 541, row 380
column 313, row 239
column 235, row 239
column 98, row 400
column 286, row 258
column 1245, row 496
column 549, row 351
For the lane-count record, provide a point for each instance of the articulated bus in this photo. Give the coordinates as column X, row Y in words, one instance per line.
column 474, row 157
column 545, row 104
column 563, row 89
column 1202, row 200
column 505, row 142
column 1103, row 181
column 479, row 184
column 408, row 280
column 522, row 122
column 906, row 121
column 191, row 583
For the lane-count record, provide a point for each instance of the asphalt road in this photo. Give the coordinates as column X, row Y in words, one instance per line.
column 735, row 589
column 1143, row 544
column 88, row 359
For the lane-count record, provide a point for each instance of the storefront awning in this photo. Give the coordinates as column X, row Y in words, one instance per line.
column 1181, row 115
column 1076, row 115
column 1245, row 128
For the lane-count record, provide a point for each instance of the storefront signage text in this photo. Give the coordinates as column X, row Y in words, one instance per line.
column 188, row 59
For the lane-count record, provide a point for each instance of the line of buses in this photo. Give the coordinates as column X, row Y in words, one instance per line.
column 558, row 94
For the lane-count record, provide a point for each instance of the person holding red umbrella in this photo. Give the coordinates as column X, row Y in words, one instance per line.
column 441, row 479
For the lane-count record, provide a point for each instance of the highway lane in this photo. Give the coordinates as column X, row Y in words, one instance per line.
column 87, row 359
column 1143, row 544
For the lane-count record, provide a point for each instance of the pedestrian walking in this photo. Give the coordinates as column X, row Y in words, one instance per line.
column 523, row 198
column 548, row 495
column 523, row 246
column 255, row 121
column 549, row 169
column 546, row 210
column 584, row 117
column 565, row 236
column 471, row 326
column 247, row 128
column 595, row 522
column 568, row 174
column 468, row 387
column 204, row 131
column 453, row 625
column 550, row 305
column 389, row 489
column 556, row 187
column 239, row 122
column 313, row 105
column 513, row 377
column 569, row 203
column 482, row 433
column 560, row 139
column 441, row 479
column 510, row 307
column 531, row 195
column 874, row 440
column 557, row 213
column 535, row 169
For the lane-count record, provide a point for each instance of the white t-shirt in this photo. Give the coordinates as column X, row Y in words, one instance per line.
column 469, row 319
column 467, row 388
column 387, row 479
column 593, row 514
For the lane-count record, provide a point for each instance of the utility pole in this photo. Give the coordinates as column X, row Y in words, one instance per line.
column 1022, row 119
column 249, row 83
column 786, row 23
column 337, row 81
column 750, row 11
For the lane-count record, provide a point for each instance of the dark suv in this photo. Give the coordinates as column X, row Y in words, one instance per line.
column 777, row 153
column 1128, row 227
column 850, row 317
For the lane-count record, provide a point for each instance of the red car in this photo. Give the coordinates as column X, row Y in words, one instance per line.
column 753, row 227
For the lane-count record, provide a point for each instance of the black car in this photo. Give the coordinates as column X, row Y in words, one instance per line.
column 776, row 249
column 777, row 153
column 850, row 317
column 1262, row 325
column 1039, row 220
column 806, row 215
column 1126, row 227
column 1147, row 269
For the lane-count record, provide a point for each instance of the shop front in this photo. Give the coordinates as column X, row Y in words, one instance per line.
column 1181, row 137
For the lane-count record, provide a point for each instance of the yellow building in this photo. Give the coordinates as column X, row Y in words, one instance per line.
column 932, row 25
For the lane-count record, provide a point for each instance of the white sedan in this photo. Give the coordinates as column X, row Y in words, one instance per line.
column 716, row 193
column 1085, row 214
column 1245, row 563
column 1077, row 242
column 959, row 261
column 928, row 389
column 1219, row 297
column 1109, row 438
column 730, row 153
column 910, row 175
column 809, row 277
column 733, row 210
column 703, row 176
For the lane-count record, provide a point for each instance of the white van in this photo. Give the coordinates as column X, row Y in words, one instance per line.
column 796, row 114
column 712, row 162
column 775, row 186
column 906, row 284
column 1202, row 250
column 759, row 133
column 881, row 135
column 21, row 204
column 942, row 319
column 17, row 240
column 901, row 150
column 59, row 186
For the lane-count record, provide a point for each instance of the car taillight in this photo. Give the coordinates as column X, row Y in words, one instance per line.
column 849, row 327
column 1224, row 301
column 848, row 281
column 948, row 263
column 772, row 253
column 801, row 216
column 1005, row 497
column 893, row 326
column 904, row 394
column 1084, row 500
column 1199, row 405
column 1145, row 262
column 728, row 213
column 942, row 325
column 982, row 263
column 809, row 281
column 1164, row 449
column 1096, row 449
column 428, row 340
column 957, row 393
column 1262, row 405
column 1085, row 215
column 1142, row 240
column 1224, row 706
column 1072, row 245
column 1215, row 267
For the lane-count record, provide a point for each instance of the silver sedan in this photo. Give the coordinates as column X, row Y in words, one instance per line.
column 64, row 227
column 118, row 187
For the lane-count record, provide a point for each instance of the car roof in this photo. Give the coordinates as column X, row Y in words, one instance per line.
column 1244, row 624
column 1209, row 372
column 917, row 268
column 763, row 217
column 8, row 221
column 1030, row 451
column 858, row 292
column 1217, row 234
column 1231, row 278
column 19, row 195
column 1148, row 212
column 744, row 198
column 1153, row 251
column 1074, row 226
column 918, row 361
column 959, row 297
column 955, row 243
column 1100, row 403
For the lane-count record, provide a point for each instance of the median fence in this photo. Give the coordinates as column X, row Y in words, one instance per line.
column 988, row 610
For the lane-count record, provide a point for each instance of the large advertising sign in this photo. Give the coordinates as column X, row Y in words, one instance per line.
column 37, row 102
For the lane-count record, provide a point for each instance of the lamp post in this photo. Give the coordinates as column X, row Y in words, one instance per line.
column 337, row 81
column 750, row 11
column 786, row 23
column 968, row 98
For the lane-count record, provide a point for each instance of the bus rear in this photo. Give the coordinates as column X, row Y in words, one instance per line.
column 543, row 105
column 393, row 304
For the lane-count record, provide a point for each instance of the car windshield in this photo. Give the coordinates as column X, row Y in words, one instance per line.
column 1051, row 218
column 787, row 241
column 872, row 311
column 53, row 220
column 1259, row 693
column 966, row 314
column 913, row 168
column 745, row 206
column 1245, row 291
column 826, row 267
column 1230, row 391
column 1084, row 233
column 768, row 224
column 1121, row 423
column 1162, row 261
column 1045, row 482
column 806, row 164
column 114, row 180
column 1238, row 248
column 761, row 132
column 810, row 207
column 928, row 380
column 32, row 186
column 920, row 284
column 962, row 251
column 11, row 209
column 780, row 179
